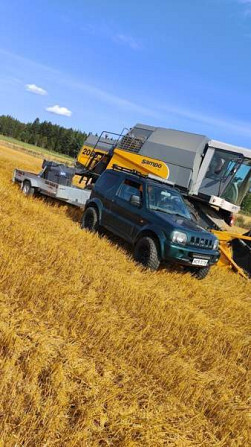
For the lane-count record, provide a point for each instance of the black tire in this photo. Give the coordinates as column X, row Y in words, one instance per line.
column 200, row 273
column 27, row 189
column 146, row 253
column 90, row 219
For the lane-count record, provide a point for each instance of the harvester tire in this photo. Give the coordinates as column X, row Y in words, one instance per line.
column 27, row 189
column 146, row 253
column 90, row 220
column 200, row 273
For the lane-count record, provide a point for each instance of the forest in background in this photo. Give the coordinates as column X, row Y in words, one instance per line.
column 44, row 134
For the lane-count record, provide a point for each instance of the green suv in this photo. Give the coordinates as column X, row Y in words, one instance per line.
column 152, row 216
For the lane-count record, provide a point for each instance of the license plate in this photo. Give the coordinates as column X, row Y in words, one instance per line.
column 197, row 261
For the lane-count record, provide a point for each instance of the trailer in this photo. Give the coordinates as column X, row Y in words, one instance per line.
column 55, row 180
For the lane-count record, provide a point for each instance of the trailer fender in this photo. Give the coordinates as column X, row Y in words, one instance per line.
column 32, row 181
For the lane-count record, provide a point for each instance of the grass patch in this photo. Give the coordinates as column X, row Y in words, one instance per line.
column 243, row 221
column 35, row 149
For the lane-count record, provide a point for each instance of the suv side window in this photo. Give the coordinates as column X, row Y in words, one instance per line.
column 107, row 181
column 129, row 188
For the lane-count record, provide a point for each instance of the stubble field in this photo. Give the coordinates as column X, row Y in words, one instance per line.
column 95, row 351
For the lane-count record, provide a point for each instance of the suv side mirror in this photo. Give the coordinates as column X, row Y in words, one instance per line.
column 135, row 200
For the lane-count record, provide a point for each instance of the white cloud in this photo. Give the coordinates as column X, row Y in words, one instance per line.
column 58, row 110
column 128, row 40
column 33, row 88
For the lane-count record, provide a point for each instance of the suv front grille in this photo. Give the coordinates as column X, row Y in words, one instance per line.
column 201, row 242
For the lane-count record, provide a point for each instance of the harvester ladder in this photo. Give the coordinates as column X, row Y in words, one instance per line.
column 102, row 137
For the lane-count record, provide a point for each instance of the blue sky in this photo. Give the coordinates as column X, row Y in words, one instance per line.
column 184, row 64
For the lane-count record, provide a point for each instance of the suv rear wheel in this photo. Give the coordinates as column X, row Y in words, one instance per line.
column 90, row 219
column 146, row 253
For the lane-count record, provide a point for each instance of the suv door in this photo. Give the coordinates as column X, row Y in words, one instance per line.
column 105, row 189
column 126, row 217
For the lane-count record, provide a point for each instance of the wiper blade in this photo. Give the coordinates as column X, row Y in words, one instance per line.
column 161, row 210
column 173, row 213
column 181, row 215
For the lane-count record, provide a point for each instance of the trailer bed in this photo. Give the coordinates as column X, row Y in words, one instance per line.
column 69, row 194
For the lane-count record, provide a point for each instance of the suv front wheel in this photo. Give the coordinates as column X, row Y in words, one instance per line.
column 146, row 253
column 90, row 219
column 200, row 273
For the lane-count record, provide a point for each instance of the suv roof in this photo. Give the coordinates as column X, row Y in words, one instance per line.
column 135, row 173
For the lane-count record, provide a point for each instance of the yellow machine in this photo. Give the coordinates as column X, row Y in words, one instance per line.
column 227, row 252
column 214, row 177
column 146, row 165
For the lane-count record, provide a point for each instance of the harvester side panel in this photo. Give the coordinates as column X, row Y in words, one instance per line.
column 181, row 150
column 145, row 165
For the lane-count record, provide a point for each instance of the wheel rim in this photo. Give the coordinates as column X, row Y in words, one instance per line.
column 26, row 188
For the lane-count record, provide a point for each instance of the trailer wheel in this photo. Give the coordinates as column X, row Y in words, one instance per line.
column 27, row 189
column 90, row 219
column 146, row 253
column 200, row 273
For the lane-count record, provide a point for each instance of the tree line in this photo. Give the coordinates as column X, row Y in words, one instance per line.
column 44, row 134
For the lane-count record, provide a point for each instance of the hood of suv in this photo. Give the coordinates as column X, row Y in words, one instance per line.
column 180, row 223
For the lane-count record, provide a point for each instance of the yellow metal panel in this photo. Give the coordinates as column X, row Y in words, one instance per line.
column 228, row 236
column 86, row 152
column 140, row 163
column 226, row 258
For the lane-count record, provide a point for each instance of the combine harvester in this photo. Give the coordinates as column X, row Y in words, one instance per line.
column 213, row 177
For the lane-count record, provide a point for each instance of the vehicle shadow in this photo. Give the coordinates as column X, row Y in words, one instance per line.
column 71, row 211
column 128, row 251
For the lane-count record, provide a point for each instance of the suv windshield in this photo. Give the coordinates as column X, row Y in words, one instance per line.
column 166, row 200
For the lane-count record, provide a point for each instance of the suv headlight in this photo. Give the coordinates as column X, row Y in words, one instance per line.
column 216, row 244
column 179, row 237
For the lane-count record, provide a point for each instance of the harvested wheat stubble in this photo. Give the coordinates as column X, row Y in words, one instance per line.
column 97, row 352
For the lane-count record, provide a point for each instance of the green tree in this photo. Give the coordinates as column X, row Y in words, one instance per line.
column 45, row 134
column 246, row 204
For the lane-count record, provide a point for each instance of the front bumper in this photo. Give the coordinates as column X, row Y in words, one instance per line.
column 185, row 254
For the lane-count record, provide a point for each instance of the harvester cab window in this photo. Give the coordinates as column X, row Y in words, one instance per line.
column 221, row 165
column 240, row 184
column 129, row 188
